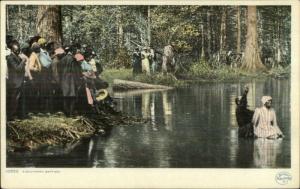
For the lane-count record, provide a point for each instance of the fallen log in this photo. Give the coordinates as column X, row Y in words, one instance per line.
column 135, row 92
column 119, row 84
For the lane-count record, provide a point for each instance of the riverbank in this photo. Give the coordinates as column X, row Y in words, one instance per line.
column 57, row 129
column 156, row 79
column 198, row 73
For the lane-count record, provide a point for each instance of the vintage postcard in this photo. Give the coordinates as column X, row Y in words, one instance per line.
column 153, row 94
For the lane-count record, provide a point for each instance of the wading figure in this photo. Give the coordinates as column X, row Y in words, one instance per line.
column 168, row 64
column 244, row 116
column 264, row 120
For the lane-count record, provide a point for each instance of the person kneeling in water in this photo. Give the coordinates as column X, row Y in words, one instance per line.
column 264, row 120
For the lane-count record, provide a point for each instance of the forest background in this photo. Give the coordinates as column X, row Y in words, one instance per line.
column 204, row 36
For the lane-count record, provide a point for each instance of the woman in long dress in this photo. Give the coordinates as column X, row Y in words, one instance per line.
column 264, row 120
column 145, row 61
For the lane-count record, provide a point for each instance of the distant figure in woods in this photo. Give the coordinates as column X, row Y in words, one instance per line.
column 153, row 61
column 145, row 61
column 168, row 64
column 136, row 62
column 264, row 120
column 244, row 116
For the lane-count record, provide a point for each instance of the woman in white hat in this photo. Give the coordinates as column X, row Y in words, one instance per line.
column 264, row 120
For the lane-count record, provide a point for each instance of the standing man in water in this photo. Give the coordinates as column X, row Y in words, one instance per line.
column 244, row 116
column 264, row 120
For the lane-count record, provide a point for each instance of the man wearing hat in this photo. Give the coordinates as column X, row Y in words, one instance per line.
column 59, row 53
column 46, row 77
column 70, row 75
column 14, row 84
column 136, row 62
column 264, row 120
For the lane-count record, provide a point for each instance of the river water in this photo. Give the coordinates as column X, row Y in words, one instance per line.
column 193, row 127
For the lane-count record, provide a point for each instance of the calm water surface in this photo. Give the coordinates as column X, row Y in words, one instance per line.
column 194, row 127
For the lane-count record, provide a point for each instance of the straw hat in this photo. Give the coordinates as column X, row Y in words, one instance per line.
column 102, row 94
column 42, row 41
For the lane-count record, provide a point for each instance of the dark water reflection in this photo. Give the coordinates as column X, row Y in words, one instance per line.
column 191, row 127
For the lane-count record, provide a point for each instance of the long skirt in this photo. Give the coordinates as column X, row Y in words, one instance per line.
column 267, row 131
column 146, row 66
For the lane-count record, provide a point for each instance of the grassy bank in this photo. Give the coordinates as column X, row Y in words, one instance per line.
column 202, row 71
column 197, row 72
column 126, row 74
column 56, row 129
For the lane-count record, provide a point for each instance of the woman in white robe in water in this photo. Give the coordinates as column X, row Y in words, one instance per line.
column 264, row 120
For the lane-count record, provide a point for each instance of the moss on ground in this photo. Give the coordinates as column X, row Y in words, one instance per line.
column 57, row 129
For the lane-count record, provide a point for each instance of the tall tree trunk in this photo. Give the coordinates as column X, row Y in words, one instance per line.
column 49, row 23
column 120, row 28
column 202, row 43
column 278, row 57
column 238, row 43
column 223, row 30
column 208, row 35
column 149, row 25
column 252, row 61
column 7, row 20
column 20, row 31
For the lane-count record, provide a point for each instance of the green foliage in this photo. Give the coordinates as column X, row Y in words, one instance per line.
column 114, row 31
column 122, row 60
column 280, row 71
column 110, row 74
column 202, row 71
column 160, row 79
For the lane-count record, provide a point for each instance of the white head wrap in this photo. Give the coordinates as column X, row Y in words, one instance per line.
column 265, row 99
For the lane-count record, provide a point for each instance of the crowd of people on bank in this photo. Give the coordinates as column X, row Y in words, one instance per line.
column 42, row 78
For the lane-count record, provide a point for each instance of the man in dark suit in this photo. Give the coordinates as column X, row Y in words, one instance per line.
column 14, row 82
column 70, row 79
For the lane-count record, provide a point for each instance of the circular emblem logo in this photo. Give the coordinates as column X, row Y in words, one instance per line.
column 283, row 178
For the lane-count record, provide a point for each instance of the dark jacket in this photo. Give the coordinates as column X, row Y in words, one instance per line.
column 137, row 62
column 243, row 114
column 16, row 71
column 244, row 118
column 70, row 75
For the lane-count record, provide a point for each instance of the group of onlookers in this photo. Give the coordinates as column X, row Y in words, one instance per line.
column 44, row 78
column 147, row 61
